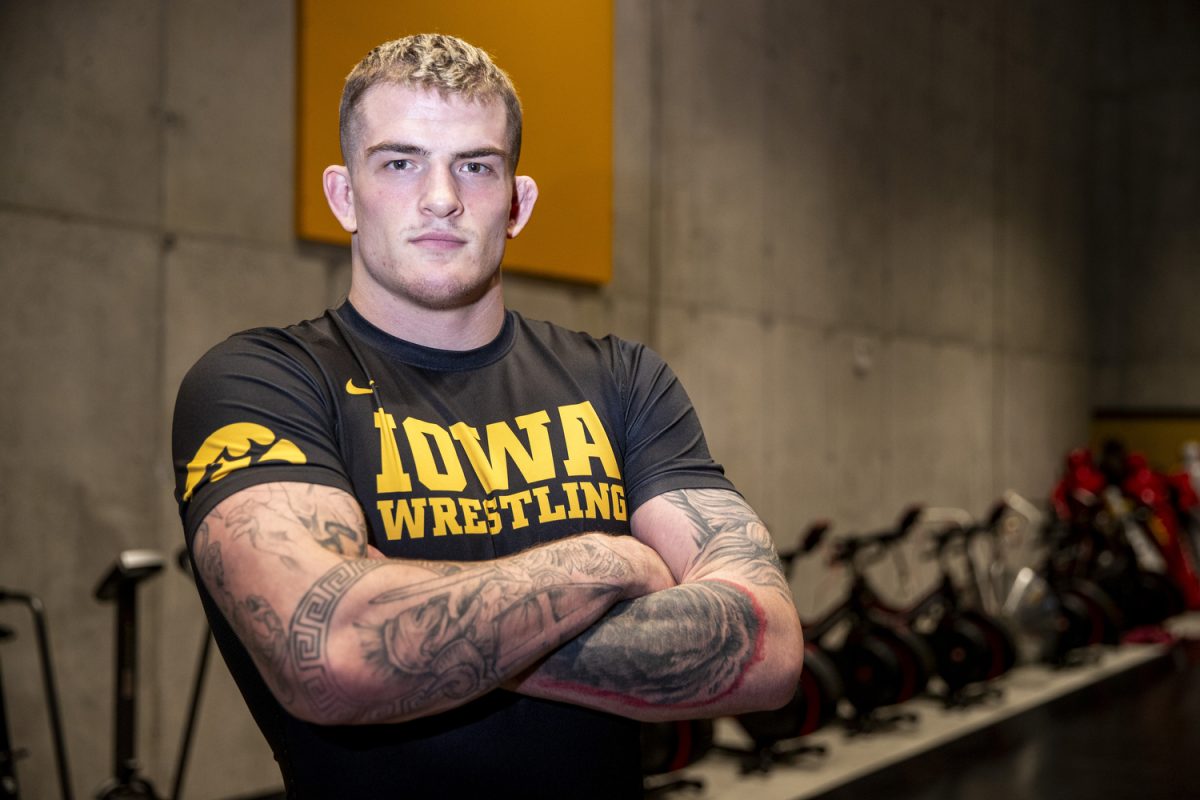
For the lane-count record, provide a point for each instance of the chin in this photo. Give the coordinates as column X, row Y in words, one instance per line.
column 446, row 296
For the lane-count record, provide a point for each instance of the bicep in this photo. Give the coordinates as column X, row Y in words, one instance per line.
column 279, row 526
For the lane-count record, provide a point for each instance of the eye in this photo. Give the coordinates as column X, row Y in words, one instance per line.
column 398, row 164
column 476, row 168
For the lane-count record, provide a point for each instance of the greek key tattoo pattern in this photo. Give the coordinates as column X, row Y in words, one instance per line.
column 309, row 632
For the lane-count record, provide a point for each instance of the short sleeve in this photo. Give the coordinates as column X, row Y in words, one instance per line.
column 665, row 445
column 254, row 409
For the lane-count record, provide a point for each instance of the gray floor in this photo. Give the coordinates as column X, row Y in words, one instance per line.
column 1021, row 738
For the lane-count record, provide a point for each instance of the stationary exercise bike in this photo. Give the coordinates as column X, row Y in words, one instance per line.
column 970, row 648
column 120, row 584
column 9, row 786
column 881, row 664
column 1063, row 614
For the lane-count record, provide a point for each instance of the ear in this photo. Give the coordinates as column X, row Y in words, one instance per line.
column 525, row 193
column 340, row 196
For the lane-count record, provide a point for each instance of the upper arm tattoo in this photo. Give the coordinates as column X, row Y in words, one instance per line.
column 273, row 519
column 254, row 619
column 274, row 516
column 727, row 532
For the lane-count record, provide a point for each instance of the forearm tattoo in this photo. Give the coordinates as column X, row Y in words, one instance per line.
column 684, row 647
column 690, row 645
column 430, row 643
column 455, row 636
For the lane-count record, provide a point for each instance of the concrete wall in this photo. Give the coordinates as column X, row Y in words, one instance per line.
column 857, row 229
column 1147, row 243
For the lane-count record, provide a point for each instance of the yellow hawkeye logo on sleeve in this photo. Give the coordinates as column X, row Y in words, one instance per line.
column 352, row 389
column 234, row 447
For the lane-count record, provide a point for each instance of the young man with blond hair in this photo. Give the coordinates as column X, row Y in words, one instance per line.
column 446, row 549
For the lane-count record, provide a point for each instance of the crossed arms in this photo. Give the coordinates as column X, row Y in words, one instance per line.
column 689, row 617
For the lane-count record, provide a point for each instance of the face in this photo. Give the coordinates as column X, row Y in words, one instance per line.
column 429, row 198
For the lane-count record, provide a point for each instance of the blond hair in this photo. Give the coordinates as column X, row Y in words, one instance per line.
column 434, row 61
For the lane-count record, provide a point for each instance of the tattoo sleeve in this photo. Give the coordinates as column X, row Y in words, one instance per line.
column 437, row 642
column 347, row 639
column 683, row 647
column 689, row 646
column 727, row 533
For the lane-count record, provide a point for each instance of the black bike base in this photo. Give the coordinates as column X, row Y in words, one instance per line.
column 765, row 758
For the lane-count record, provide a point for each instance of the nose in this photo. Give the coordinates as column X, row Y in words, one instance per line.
column 441, row 198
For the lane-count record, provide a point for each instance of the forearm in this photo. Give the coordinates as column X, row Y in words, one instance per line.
column 727, row 639
column 400, row 648
column 696, row 650
column 343, row 639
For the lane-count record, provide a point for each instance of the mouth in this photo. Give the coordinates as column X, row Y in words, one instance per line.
column 438, row 240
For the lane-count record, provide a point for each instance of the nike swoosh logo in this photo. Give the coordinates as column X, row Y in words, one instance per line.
column 352, row 389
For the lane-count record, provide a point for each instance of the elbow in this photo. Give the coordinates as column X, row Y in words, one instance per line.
column 782, row 665
column 332, row 693
column 329, row 710
column 306, row 712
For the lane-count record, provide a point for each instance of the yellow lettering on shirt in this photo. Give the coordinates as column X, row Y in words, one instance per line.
column 421, row 434
column 535, row 464
column 586, row 439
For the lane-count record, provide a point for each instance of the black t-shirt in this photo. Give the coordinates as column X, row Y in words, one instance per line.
column 541, row 434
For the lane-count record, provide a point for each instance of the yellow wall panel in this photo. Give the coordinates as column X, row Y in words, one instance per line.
column 1157, row 435
column 559, row 55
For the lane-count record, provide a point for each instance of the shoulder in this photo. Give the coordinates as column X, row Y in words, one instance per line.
column 294, row 349
column 621, row 357
column 289, row 369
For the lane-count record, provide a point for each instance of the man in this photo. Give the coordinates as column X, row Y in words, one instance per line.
column 410, row 515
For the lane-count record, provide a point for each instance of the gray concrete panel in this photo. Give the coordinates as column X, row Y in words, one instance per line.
column 1043, row 205
column 941, row 248
column 718, row 357
column 230, row 90
column 1044, row 413
column 797, row 485
column 711, row 169
column 801, row 145
column 858, row 405
column 80, row 345
column 1171, row 380
column 80, row 88
column 1161, row 41
column 230, row 758
column 939, row 425
column 1055, row 38
column 214, row 289
column 981, row 19
column 634, row 258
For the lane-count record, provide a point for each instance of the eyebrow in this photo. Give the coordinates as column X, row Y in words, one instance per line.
column 416, row 150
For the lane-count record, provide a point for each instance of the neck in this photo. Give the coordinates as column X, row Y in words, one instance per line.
column 464, row 328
